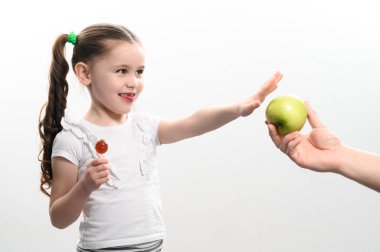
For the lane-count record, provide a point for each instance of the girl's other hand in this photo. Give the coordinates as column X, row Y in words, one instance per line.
column 97, row 173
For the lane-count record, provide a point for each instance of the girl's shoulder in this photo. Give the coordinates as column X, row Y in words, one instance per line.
column 75, row 134
column 144, row 120
column 76, row 128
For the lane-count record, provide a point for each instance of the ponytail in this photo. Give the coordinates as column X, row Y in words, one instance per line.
column 54, row 109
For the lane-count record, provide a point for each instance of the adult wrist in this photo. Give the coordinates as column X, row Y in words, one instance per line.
column 345, row 159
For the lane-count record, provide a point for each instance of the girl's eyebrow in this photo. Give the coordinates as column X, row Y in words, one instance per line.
column 128, row 66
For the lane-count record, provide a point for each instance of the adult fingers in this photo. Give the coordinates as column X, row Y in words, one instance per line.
column 276, row 138
column 312, row 117
column 286, row 139
column 292, row 145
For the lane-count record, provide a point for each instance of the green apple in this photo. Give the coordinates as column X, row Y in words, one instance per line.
column 287, row 112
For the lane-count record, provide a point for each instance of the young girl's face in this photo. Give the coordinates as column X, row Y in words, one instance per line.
column 117, row 78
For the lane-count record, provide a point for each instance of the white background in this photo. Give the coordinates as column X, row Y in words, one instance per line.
column 230, row 190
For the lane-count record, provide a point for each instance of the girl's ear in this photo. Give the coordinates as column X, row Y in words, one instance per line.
column 82, row 71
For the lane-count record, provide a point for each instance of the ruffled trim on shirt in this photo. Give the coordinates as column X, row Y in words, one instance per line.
column 147, row 150
column 89, row 139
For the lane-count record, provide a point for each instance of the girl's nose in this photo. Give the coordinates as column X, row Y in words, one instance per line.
column 132, row 82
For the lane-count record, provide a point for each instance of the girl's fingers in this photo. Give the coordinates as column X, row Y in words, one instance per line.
column 247, row 109
column 99, row 161
column 101, row 167
column 101, row 175
column 103, row 180
column 251, row 107
column 269, row 86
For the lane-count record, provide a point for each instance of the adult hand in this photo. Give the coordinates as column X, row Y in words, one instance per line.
column 319, row 150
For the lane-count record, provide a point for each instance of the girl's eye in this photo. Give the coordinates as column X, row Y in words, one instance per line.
column 140, row 72
column 122, row 71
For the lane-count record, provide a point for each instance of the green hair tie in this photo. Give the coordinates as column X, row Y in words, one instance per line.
column 72, row 38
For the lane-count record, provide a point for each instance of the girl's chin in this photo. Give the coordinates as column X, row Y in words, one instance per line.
column 125, row 111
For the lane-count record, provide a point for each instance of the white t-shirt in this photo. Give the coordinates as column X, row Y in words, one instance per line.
column 127, row 209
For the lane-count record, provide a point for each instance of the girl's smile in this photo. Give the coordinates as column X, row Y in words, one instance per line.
column 128, row 97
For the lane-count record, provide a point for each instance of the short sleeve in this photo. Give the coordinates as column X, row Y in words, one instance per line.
column 66, row 145
column 148, row 125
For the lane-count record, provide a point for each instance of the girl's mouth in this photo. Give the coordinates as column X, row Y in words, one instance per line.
column 129, row 97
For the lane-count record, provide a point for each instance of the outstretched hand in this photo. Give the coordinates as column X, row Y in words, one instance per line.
column 248, row 106
column 317, row 150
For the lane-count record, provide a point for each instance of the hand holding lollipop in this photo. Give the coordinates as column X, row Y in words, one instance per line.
column 97, row 170
column 101, row 147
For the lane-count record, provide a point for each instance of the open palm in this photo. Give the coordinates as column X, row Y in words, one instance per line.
column 316, row 151
column 248, row 106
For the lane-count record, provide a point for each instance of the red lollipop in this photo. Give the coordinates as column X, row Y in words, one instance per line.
column 101, row 146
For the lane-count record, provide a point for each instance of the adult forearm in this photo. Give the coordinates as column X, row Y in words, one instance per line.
column 66, row 210
column 362, row 167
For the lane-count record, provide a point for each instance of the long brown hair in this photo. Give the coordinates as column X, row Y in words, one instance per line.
column 91, row 43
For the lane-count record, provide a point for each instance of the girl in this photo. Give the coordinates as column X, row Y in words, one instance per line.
column 118, row 192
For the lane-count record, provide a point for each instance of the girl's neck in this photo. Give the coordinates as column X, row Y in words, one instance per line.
column 104, row 118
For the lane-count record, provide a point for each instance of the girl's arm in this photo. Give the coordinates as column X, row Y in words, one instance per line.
column 208, row 119
column 68, row 195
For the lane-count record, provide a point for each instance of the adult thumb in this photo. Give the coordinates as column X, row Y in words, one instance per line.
column 313, row 117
